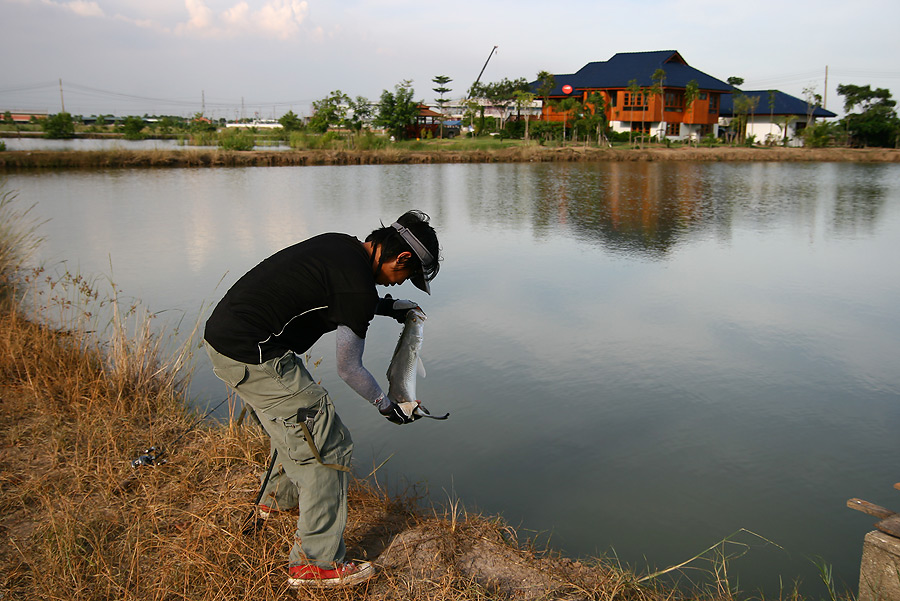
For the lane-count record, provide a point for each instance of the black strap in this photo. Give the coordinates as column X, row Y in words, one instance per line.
column 307, row 417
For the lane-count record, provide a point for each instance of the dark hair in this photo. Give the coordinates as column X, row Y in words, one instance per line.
column 392, row 243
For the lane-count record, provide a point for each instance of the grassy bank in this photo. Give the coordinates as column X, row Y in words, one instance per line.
column 424, row 152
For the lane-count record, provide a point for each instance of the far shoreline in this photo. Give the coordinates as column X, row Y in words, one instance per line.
column 15, row 161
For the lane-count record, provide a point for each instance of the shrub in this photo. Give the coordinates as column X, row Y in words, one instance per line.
column 819, row 135
column 59, row 126
column 234, row 138
column 133, row 127
column 369, row 141
column 514, row 129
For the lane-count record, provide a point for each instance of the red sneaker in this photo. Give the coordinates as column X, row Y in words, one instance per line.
column 343, row 574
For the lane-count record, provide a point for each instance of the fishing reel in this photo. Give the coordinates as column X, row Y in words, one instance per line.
column 152, row 457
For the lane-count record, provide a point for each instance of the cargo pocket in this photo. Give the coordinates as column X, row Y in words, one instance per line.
column 233, row 375
column 295, row 440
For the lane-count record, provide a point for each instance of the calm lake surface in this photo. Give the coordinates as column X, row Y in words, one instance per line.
column 639, row 360
column 27, row 143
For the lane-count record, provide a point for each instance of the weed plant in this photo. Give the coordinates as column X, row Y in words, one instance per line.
column 236, row 139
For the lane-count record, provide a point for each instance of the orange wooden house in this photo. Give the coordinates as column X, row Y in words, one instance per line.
column 625, row 81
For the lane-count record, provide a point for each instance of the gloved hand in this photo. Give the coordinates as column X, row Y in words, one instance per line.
column 403, row 413
column 394, row 308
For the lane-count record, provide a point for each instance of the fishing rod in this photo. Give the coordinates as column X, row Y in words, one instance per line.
column 157, row 455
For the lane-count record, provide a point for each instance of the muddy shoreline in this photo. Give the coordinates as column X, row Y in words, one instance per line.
column 14, row 161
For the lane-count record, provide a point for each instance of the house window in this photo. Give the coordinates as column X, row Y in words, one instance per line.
column 706, row 129
column 713, row 103
column 674, row 101
column 673, row 129
column 633, row 101
column 640, row 128
column 702, row 96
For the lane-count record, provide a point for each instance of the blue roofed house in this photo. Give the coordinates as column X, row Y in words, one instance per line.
column 663, row 115
column 772, row 117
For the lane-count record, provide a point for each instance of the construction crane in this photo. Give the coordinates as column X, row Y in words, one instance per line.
column 493, row 50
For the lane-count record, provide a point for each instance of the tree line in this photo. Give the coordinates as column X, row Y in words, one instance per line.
column 870, row 114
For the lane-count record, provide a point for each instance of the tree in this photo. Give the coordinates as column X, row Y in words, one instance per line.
column 167, row 124
column 524, row 100
column 59, row 126
column 329, row 111
column 397, row 110
column 771, row 95
column 568, row 106
column 133, row 128
column 691, row 93
column 784, row 123
column 501, row 93
column 441, row 81
column 290, row 122
column 594, row 115
column 360, row 113
column 876, row 123
column 734, row 81
column 546, row 83
column 813, row 101
column 636, row 96
column 659, row 80
column 753, row 102
column 740, row 109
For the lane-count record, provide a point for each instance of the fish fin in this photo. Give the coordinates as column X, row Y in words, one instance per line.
column 420, row 367
column 426, row 413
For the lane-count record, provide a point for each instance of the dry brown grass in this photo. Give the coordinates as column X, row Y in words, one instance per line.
column 120, row 158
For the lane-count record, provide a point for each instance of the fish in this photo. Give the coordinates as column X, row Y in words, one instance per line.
column 406, row 364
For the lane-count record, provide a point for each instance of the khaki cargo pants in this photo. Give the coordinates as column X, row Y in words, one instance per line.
column 275, row 390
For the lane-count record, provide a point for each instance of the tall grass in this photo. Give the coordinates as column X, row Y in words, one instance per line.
column 19, row 239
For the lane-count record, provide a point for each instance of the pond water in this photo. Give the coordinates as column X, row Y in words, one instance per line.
column 639, row 359
column 29, row 143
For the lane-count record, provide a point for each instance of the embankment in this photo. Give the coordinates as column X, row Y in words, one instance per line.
column 107, row 159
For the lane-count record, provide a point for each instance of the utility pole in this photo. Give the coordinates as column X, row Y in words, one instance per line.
column 61, row 101
column 202, row 103
column 825, row 93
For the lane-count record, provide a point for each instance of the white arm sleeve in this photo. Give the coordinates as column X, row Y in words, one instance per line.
column 350, row 367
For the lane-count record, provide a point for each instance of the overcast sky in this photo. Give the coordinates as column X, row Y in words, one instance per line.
column 234, row 57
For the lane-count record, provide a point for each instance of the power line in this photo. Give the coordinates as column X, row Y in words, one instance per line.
column 81, row 91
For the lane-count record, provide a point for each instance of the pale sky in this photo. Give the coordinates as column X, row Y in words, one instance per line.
column 265, row 57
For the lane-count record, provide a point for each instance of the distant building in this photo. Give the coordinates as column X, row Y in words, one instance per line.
column 664, row 115
column 19, row 116
column 775, row 118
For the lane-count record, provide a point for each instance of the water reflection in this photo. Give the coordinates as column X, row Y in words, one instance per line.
column 642, row 357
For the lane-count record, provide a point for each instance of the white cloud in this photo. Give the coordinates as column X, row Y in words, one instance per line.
column 281, row 18
column 81, row 8
column 237, row 14
column 200, row 15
